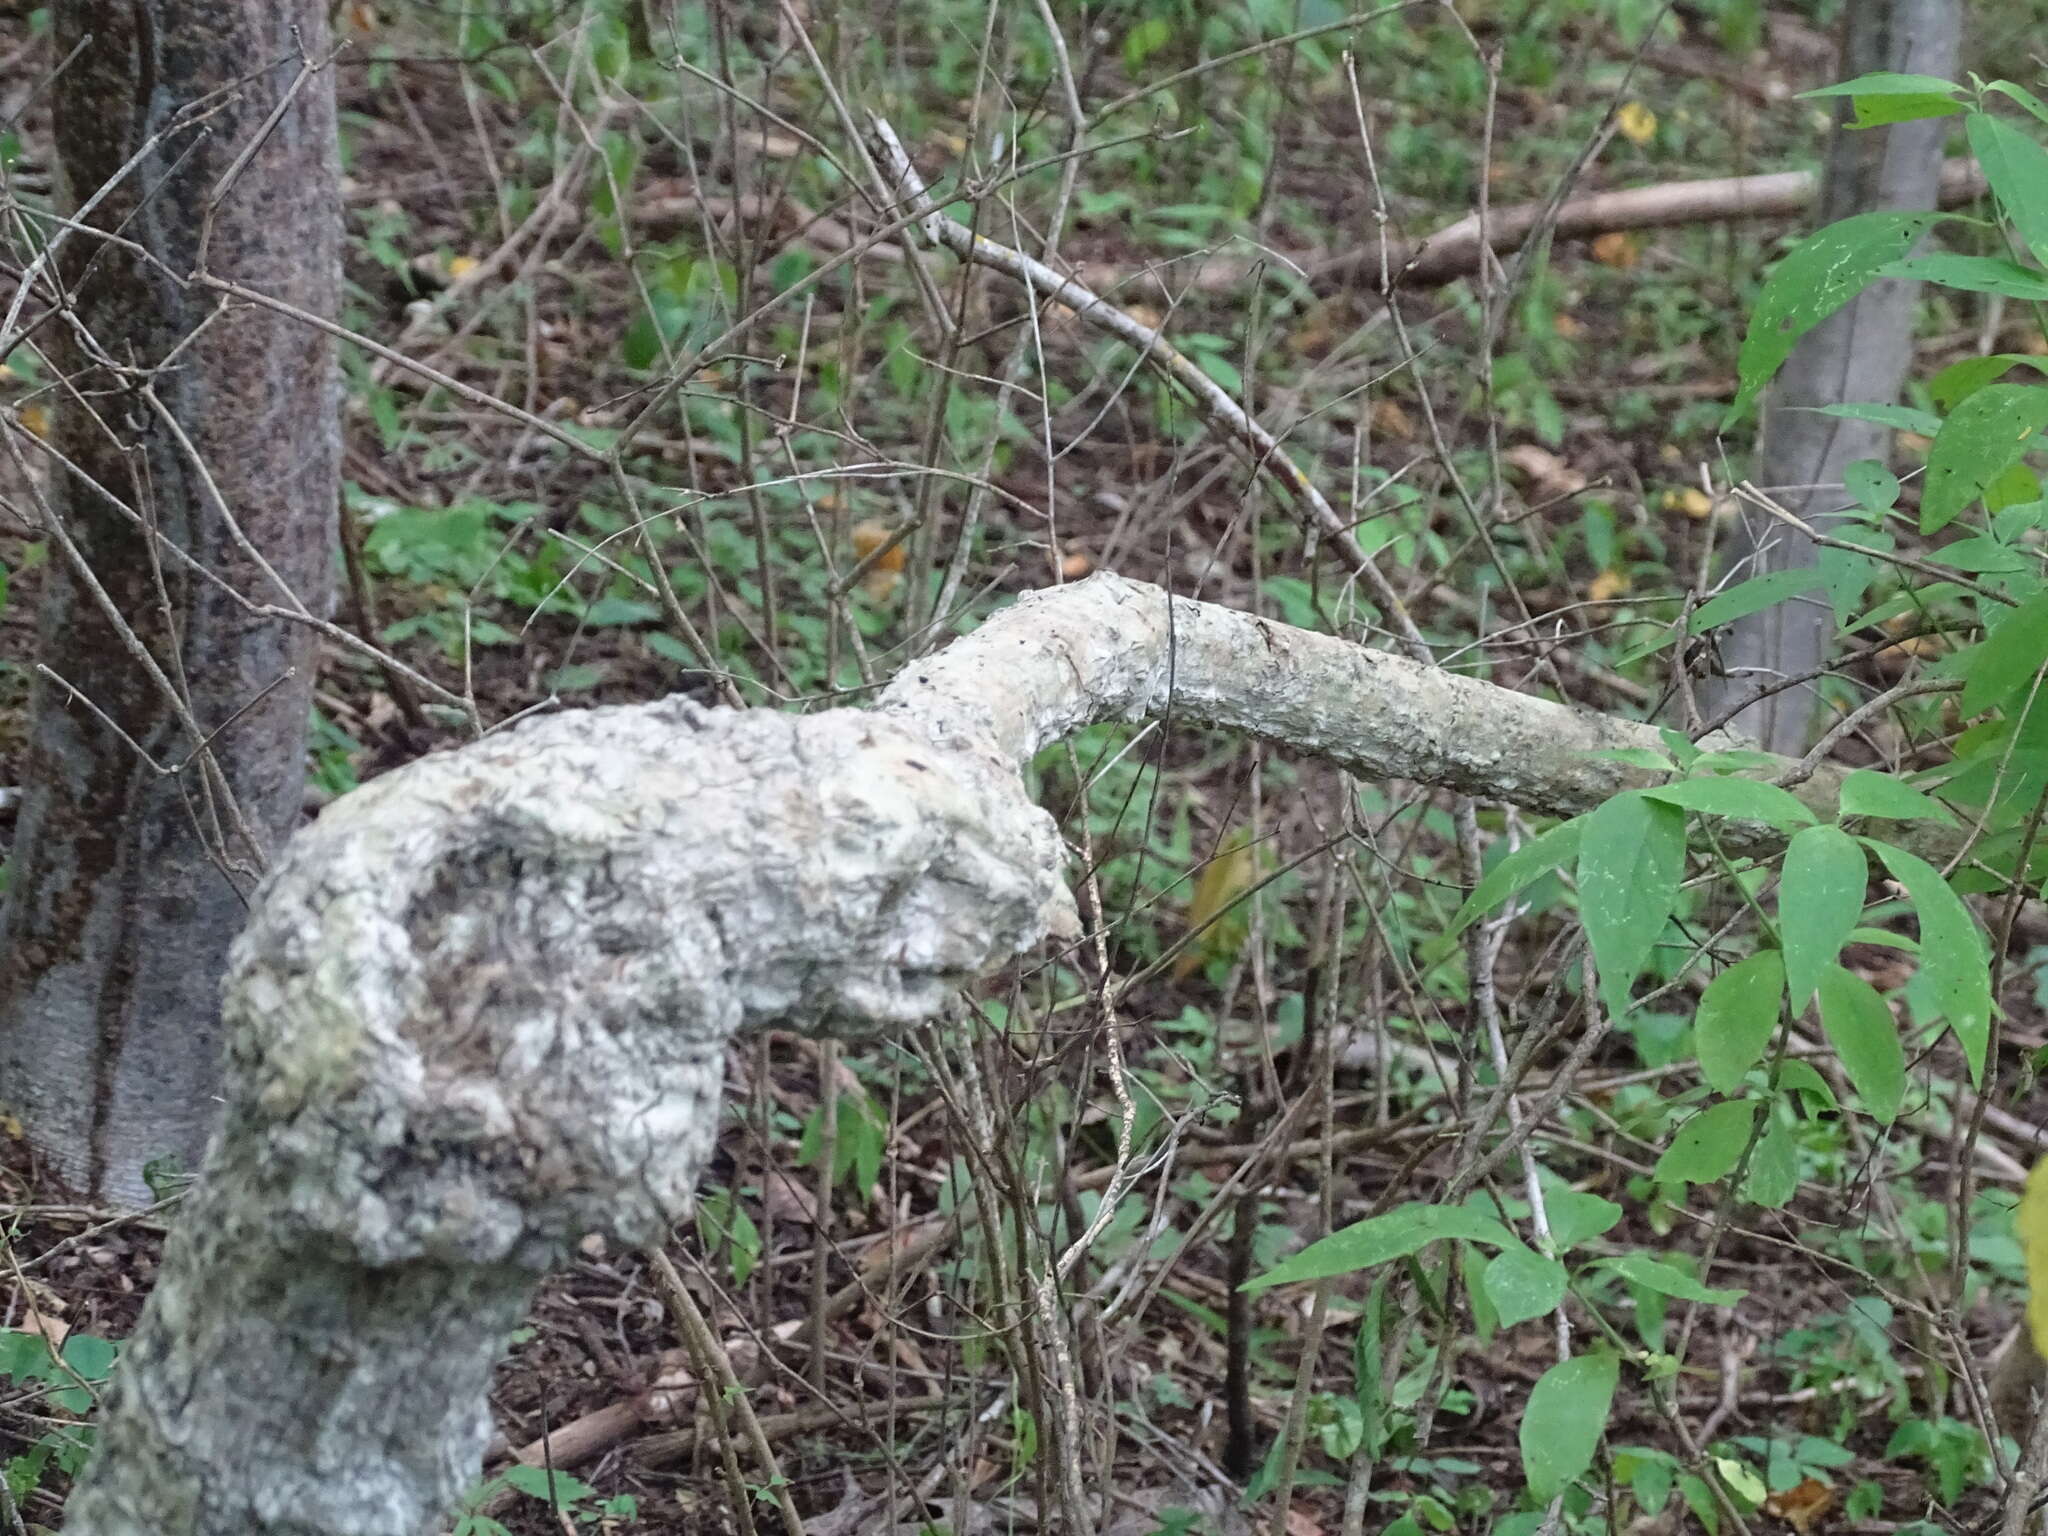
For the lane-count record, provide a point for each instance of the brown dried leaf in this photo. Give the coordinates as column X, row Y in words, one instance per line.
column 1801, row 1506
column 1549, row 476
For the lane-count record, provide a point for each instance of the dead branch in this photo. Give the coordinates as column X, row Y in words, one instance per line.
column 1453, row 251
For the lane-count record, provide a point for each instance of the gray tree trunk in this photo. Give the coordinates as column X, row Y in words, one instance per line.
column 216, row 428
column 481, row 1007
column 1860, row 353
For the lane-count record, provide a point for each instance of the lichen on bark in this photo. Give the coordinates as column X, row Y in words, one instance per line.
column 480, row 1011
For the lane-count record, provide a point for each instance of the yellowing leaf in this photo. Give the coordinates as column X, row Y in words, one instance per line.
column 2032, row 1221
column 1389, row 418
column 1692, row 501
column 1801, row 1506
column 1637, row 123
column 881, row 579
column 1225, row 878
column 460, row 267
column 1607, row 586
column 1616, row 249
column 37, row 419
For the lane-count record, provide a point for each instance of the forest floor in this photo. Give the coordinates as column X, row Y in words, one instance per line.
column 859, row 1295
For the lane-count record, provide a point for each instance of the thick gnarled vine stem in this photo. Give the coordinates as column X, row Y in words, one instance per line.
column 481, row 1007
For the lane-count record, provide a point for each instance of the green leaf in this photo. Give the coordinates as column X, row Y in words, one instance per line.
column 1960, row 380
column 1824, row 272
column 1753, row 596
column 1860, row 1026
column 1522, row 1284
column 1648, row 758
column 1520, row 869
column 1404, row 1230
column 1887, row 97
column 1631, row 860
column 1954, row 962
column 2022, row 95
column 1472, row 1267
column 1878, row 111
column 1983, row 437
column 1873, row 485
column 1709, row 1145
column 1802, row 1078
column 1866, row 792
column 1736, row 1016
column 1742, row 1480
column 2009, row 658
column 1699, row 1498
column 534, row 1481
column 1749, row 799
column 90, row 1356
column 1820, row 900
column 1884, row 82
column 1904, row 418
column 2017, row 169
column 1973, row 274
column 1562, row 1425
column 1668, row 1279
column 1773, row 1177
column 1576, row 1216
column 1848, row 574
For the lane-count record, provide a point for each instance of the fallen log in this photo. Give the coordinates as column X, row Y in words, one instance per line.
column 1453, row 251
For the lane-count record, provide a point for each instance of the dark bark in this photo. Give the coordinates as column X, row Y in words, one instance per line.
column 217, row 428
column 1860, row 353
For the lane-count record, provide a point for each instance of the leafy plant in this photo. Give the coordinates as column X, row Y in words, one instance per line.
column 568, row 1496
column 66, row 1380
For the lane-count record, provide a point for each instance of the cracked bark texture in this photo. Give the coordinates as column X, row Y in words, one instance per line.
column 1859, row 353
column 481, row 1010
column 120, row 907
column 481, row 1007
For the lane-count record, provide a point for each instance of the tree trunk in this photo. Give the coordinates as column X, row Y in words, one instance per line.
column 1860, row 353
column 215, row 429
column 482, row 1005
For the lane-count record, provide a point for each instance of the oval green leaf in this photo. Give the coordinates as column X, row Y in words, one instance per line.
column 1576, row 1216
column 1860, row 1026
column 2009, row 658
column 1820, row 899
column 1736, row 1016
column 1404, row 1230
column 1668, row 1279
column 2017, row 169
column 1773, row 1177
column 1825, row 271
column 1954, row 960
column 1749, row 799
column 1709, row 1145
column 1522, row 1284
column 1973, row 274
column 1520, row 869
column 1753, row 596
column 1631, row 860
column 1866, row 792
column 1983, row 437
column 1566, row 1415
